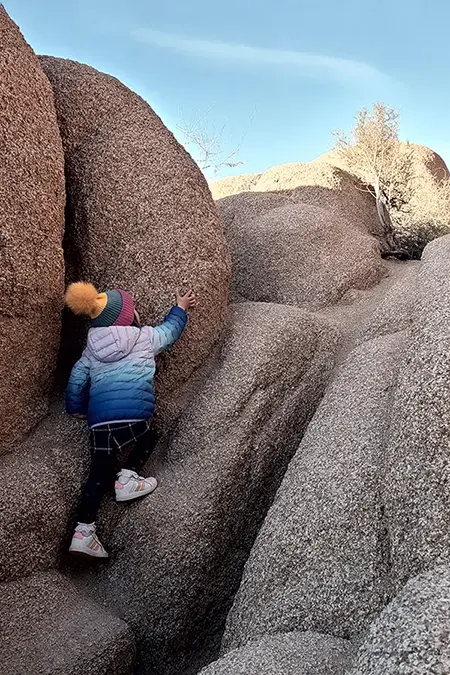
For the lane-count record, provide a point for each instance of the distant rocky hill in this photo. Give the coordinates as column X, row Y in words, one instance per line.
column 427, row 215
column 285, row 176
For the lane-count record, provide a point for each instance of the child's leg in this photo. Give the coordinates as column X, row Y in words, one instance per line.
column 101, row 475
column 129, row 485
column 147, row 439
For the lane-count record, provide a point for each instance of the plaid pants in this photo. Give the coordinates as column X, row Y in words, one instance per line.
column 105, row 443
column 110, row 438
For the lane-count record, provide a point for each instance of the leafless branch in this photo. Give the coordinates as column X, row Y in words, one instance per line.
column 206, row 143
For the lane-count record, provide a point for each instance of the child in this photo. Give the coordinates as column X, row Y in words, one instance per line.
column 112, row 384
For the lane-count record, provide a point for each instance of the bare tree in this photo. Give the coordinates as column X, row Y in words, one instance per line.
column 373, row 152
column 206, row 143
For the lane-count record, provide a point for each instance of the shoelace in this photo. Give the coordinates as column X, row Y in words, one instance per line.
column 89, row 533
column 137, row 478
column 133, row 474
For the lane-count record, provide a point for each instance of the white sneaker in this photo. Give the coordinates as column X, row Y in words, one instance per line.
column 131, row 486
column 86, row 542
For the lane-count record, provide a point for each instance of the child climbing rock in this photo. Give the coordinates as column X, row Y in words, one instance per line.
column 112, row 384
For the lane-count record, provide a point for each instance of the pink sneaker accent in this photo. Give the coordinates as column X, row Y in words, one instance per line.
column 86, row 542
column 119, row 486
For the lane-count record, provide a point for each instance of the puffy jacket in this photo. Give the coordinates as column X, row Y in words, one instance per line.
column 113, row 380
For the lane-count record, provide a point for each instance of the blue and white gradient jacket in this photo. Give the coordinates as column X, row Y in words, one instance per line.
column 113, row 380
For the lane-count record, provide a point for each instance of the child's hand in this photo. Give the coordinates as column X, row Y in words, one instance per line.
column 186, row 301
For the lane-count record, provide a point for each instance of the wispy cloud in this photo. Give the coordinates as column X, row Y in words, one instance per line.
column 305, row 62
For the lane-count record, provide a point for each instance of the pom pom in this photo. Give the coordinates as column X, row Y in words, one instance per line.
column 82, row 298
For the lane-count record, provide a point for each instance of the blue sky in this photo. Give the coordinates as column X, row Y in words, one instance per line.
column 279, row 76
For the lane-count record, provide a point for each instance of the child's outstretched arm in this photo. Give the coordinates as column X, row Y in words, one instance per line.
column 77, row 391
column 170, row 330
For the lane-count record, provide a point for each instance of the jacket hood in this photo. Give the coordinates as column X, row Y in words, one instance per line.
column 113, row 343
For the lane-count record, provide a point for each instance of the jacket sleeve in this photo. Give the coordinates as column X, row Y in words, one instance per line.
column 170, row 330
column 77, row 391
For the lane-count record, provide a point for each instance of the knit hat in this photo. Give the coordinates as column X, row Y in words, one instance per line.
column 113, row 308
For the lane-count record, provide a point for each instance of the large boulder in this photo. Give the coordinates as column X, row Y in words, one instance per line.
column 320, row 560
column 415, row 486
column 286, row 654
column 52, row 463
column 317, row 184
column 32, row 202
column 289, row 252
column 428, row 162
column 140, row 215
column 431, row 162
column 364, row 505
column 412, row 635
column 396, row 311
column 178, row 556
column 48, row 628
